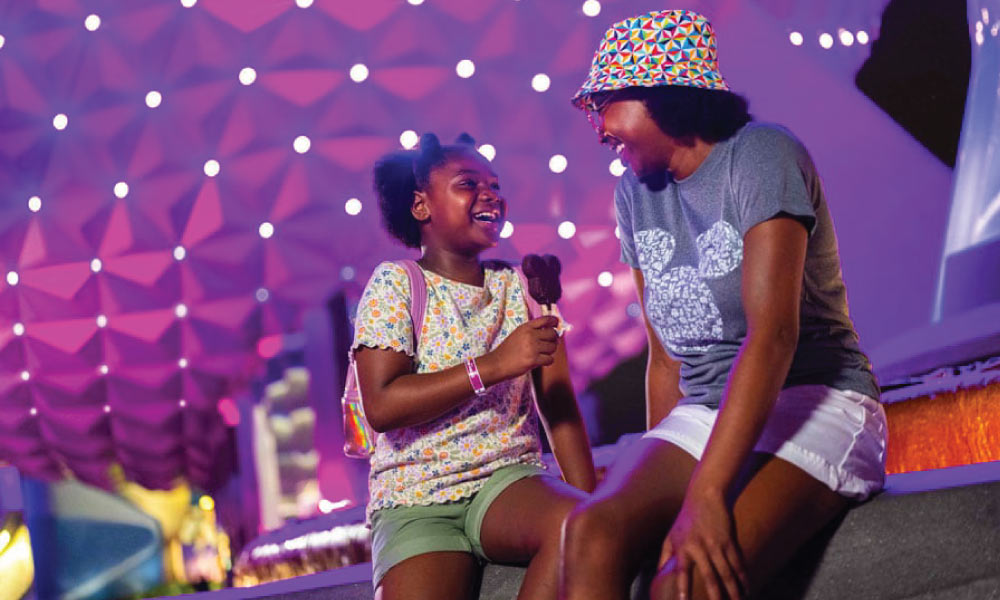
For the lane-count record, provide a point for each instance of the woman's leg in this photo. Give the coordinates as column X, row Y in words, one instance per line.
column 431, row 576
column 777, row 512
column 622, row 525
column 523, row 525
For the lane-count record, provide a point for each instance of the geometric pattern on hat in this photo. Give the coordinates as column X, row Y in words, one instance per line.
column 670, row 47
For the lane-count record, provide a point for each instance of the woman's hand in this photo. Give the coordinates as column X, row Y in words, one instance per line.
column 529, row 346
column 703, row 536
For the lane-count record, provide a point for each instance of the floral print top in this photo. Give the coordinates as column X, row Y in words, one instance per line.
column 449, row 458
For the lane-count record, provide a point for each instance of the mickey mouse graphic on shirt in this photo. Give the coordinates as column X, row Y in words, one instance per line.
column 679, row 304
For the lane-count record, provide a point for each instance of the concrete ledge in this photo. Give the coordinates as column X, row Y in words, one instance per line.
column 932, row 535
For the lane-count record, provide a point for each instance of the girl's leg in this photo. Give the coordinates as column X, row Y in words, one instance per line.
column 622, row 525
column 780, row 509
column 431, row 576
column 523, row 525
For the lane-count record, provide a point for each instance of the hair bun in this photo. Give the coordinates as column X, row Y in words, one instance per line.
column 430, row 144
column 465, row 139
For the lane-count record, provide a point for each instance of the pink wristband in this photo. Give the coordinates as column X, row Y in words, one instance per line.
column 474, row 378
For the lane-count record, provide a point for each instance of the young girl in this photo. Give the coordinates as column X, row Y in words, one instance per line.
column 456, row 476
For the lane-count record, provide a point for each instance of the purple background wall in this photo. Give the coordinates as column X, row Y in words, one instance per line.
column 126, row 359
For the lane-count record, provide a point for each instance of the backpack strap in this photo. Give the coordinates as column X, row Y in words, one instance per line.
column 534, row 309
column 418, row 296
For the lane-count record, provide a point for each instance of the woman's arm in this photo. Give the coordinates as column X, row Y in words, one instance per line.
column 394, row 396
column 773, row 265
column 562, row 422
column 702, row 535
column 663, row 374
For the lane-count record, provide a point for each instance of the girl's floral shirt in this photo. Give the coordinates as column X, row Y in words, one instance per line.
column 449, row 458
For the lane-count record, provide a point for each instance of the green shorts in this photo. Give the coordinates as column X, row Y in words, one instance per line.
column 406, row 531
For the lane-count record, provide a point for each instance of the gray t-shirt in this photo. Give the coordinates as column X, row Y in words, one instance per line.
column 688, row 241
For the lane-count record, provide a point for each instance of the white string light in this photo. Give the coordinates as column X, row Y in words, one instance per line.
column 359, row 73
column 247, row 75
column 465, row 68
column 408, row 139
column 540, row 82
column 558, row 163
column 567, row 229
column 212, row 167
column 153, row 99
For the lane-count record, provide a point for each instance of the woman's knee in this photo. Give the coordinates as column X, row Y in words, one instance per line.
column 593, row 523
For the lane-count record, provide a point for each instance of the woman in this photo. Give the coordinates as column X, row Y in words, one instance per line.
column 763, row 412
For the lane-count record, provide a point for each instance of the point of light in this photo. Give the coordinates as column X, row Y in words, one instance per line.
column 846, row 37
column 826, row 41
column 618, row 232
column 188, row 3
column 92, row 22
column 303, row 3
column 182, row 363
column 465, row 68
column 633, row 310
column 508, row 230
column 488, row 151
column 591, row 8
column 179, row 253
column 540, row 82
column 266, row 230
column 103, row 369
column 248, row 75
column 95, row 265
column 60, row 121
column 325, row 505
column 605, row 279
column 359, row 73
column 121, row 189
column 33, row 412
column 25, row 375
column 212, row 167
column 181, row 310
column 102, row 321
column 862, row 37
column 408, row 139
column 352, row 206
column 18, row 329
column 34, row 204
column 617, row 168
column 415, row 2
column 261, row 294
column 567, row 230
column 796, row 38
column 206, row 503
column 153, row 99
column 107, row 408
column 3, row 40
column 348, row 273
column 558, row 163
column 302, row 144
column 13, row 278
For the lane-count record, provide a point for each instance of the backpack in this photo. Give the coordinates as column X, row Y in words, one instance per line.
column 359, row 438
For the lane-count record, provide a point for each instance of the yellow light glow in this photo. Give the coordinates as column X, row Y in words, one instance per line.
column 206, row 503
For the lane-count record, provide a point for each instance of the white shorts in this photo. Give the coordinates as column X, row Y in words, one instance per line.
column 836, row 436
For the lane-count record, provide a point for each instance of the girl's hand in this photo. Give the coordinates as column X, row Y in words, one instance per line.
column 703, row 536
column 529, row 346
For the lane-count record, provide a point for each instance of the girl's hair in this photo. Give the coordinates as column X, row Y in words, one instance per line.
column 398, row 175
column 683, row 112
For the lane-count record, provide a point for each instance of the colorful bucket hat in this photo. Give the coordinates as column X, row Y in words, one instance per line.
column 670, row 47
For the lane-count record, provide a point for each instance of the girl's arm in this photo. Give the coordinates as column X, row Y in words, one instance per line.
column 394, row 396
column 773, row 266
column 562, row 422
column 663, row 374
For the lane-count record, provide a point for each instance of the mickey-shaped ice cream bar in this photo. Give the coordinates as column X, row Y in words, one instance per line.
column 542, row 273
